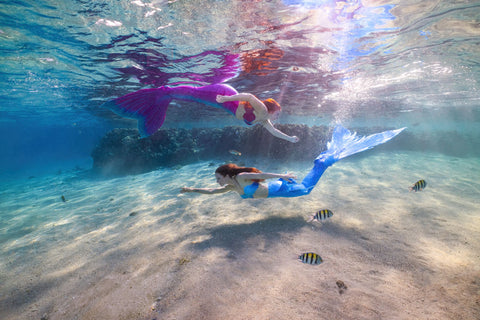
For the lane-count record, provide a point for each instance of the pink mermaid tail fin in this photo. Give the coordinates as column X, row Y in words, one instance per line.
column 148, row 106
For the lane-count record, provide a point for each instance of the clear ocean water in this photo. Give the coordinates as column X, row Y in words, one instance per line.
column 75, row 244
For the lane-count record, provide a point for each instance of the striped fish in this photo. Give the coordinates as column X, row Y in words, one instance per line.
column 323, row 214
column 418, row 186
column 310, row 258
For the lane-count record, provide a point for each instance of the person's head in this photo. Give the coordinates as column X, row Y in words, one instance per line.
column 228, row 171
column 273, row 108
column 272, row 105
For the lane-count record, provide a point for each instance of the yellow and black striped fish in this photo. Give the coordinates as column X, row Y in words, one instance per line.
column 310, row 258
column 323, row 214
column 419, row 185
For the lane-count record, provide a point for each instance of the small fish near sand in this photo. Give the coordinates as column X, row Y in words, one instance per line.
column 310, row 258
column 418, row 186
column 235, row 152
column 321, row 215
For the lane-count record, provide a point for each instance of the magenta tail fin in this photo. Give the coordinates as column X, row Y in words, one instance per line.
column 147, row 106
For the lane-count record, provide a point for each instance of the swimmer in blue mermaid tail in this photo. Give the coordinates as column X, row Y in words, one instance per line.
column 149, row 106
column 251, row 182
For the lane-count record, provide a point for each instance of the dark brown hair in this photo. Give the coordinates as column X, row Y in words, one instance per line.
column 231, row 170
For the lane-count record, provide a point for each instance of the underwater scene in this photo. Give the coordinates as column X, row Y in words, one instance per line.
column 239, row 159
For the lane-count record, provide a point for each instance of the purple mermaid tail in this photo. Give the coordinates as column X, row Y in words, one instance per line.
column 149, row 106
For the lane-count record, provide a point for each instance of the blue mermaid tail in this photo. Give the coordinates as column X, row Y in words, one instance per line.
column 149, row 106
column 343, row 144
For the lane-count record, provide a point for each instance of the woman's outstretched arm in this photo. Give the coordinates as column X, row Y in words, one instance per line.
column 223, row 189
column 240, row 97
column 277, row 133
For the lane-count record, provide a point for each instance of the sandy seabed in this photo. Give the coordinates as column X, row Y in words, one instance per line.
column 133, row 248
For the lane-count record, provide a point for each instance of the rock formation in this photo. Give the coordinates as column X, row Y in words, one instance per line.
column 122, row 151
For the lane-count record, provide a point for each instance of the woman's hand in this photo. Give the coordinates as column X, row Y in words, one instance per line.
column 221, row 99
column 289, row 176
column 186, row 189
column 294, row 139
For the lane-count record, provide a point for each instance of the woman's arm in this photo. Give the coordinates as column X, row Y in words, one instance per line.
column 277, row 133
column 261, row 112
column 239, row 97
column 257, row 105
column 223, row 189
column 264, row 175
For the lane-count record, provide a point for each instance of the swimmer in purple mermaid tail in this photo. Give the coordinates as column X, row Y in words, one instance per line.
column 250, row 182
column 149, row 106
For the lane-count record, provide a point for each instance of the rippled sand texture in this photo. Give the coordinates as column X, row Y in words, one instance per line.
column 132, row 248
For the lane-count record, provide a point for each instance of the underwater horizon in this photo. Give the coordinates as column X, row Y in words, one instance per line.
column 85, row 239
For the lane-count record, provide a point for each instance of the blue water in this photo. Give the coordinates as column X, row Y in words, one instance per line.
column 366, row 64
column 335, row 61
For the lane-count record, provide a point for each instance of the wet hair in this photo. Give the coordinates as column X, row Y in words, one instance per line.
column 272, row 105
column 231, row 170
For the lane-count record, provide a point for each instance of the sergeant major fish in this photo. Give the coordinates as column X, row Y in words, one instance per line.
column 418, row 186
column 323, row 214
column 310, row 258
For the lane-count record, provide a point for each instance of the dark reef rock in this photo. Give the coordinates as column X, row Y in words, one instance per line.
column 122, row 151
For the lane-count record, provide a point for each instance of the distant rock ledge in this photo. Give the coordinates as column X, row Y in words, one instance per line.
column 122, row 151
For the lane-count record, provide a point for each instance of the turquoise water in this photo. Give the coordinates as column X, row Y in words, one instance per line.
column 132, row 247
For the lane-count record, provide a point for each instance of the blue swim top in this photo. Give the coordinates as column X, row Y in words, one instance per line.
column 249, row 191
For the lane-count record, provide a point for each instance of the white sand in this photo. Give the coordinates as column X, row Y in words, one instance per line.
column 401, row 255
